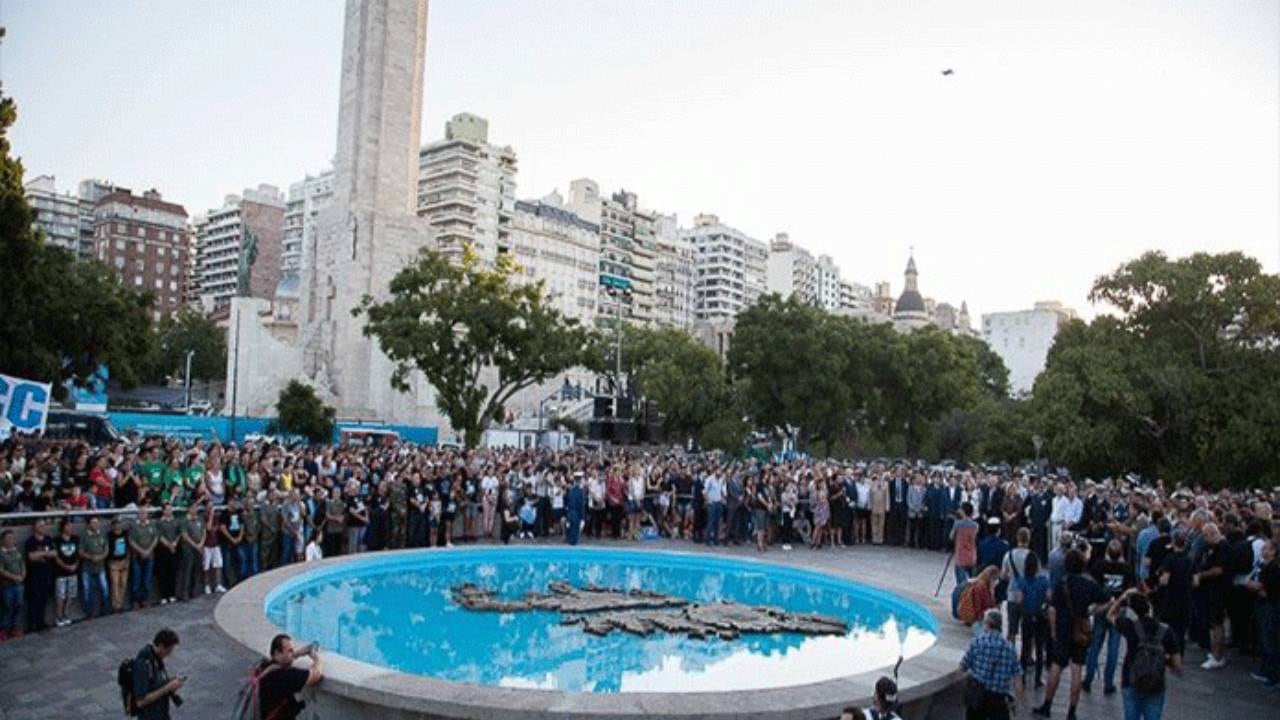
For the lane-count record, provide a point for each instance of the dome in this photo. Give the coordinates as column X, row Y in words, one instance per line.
column 909, row 302
column 289, row 285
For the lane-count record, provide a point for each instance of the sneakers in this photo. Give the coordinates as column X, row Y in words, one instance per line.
column 786, row 547
column 173, row 600
column 1213, row 663
column 220, row 589
column 207, row 590
column 1262, row 679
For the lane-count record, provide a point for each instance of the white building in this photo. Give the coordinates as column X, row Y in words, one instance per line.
column 467, row 188
column 306, row 198
column 790, row 270
column 59, row 216
column 239, row 248
column 673, row 280
column 1022, row 340
column 826, row 284
column 731, row 267
column 553, row 245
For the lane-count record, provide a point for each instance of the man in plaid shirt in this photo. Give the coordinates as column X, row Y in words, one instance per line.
column 992, row 661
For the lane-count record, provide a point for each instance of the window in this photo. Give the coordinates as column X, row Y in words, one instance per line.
column 173, row 285
column 159, row 268
column 119, row 262
column 137, row 281
column 142, row 232
column 159, row 284
column 119, row 244
column 140, row 264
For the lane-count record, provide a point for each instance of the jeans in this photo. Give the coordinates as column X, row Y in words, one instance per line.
column 1142, row 707
column 1103, row 630
column 963, row 574
column 11, row 607
column 140, row 572
column 248, row 560
column 714, row 510
column 94, row 595
column 288, row 548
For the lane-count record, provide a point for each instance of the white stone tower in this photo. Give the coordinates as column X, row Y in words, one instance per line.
column 371, row 230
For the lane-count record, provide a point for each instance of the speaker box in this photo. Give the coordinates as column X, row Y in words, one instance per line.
column 625, row 408
column 624, row 433
column 603, row 407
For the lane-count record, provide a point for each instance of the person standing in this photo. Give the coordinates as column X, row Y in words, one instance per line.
column 1075, row 600
column 249, row 539
column 1031, row 587
column 269, row 530
column 964, row 538
column 1150, row 648
column 167, row 555
column 39, row 581
column 1212, row 582
column 12, row 574
column 118, row 564
column 357, row 519
column 143, row 538
column 230, row 535
column 335, row 524
column 898, row 509
column 1039, row 511
column 1116, row 577
column 713, row 495
column 879, row 508
column 1266, row 587
column 575, row 507
column 992, row 663
column 916, row 512
column 190, row 554
column 66, row 571
column 153, row 689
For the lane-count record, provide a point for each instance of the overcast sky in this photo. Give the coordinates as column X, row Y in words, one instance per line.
column 1071, row 136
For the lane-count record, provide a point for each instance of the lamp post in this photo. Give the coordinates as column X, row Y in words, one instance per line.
column 618, row 294
column 186, row 382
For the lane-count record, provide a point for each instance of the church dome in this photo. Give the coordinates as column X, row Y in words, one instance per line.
column 909, row 302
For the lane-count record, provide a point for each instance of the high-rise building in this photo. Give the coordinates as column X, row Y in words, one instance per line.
column 826, row 284
column 855, row 297
column 467, row 188
column 633, row 242
column 790, row 270
column 673, row 278
column 731, row 268
column 147, row 240
column 306, row 198
column 553, row 245
column 239, row 248
column 1023, row 338
column 58, row 216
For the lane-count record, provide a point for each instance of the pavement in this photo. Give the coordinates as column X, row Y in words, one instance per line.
column 70, row 672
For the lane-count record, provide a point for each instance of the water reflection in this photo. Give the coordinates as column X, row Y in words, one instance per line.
column 403, row 618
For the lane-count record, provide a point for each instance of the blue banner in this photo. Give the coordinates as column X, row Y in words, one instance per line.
column 24, row 405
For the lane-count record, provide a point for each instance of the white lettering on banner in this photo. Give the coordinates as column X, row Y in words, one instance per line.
column 24, row 405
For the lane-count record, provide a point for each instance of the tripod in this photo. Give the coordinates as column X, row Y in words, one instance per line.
column 950, row 557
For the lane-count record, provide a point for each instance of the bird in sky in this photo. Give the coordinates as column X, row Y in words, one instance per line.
column 948, row 71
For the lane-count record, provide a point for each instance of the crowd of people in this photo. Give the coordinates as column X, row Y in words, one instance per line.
column 1049, row 550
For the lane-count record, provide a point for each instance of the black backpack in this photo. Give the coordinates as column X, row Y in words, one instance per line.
column 124, row 678
column 1146, row 674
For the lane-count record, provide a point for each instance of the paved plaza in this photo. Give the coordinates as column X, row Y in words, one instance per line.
column 70, row 672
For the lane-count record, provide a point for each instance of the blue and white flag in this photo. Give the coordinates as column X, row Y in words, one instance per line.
column 24, row 405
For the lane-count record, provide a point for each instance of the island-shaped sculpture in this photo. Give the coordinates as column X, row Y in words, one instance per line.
column 601, row 610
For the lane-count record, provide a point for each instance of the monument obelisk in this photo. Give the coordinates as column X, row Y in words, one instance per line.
column 371, row 230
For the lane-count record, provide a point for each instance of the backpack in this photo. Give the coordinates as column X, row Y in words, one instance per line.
column 246, row 705
column 966, row 611
column 124, row 678
column 1146, row 674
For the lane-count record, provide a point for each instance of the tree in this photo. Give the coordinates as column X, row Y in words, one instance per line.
column 190, row 331
column 458, row 324
column 790, row 359
column 934, row 372
column 60, row 319
column 299, row 411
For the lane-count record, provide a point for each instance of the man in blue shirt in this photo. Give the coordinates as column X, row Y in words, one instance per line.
column 992, row 662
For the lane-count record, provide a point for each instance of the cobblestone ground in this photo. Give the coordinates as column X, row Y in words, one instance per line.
column 69, row 673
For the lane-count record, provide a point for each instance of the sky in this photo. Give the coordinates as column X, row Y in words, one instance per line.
column 1070, row 137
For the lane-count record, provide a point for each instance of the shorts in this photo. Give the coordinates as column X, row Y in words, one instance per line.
column 1067, row 653
column 65, row 587
column 633, row 507
column 1215, row 610
column 212, row 558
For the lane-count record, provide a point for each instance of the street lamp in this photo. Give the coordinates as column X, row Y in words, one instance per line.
column 186, row 383
column 618, row 294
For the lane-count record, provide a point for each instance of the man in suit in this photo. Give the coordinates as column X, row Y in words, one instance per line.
column 1039, row 510
column 898, row 488
column 935, row 502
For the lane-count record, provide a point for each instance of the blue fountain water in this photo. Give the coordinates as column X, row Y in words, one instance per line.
column 395, row 611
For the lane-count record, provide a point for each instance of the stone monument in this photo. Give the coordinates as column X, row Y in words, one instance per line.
column 371, row 230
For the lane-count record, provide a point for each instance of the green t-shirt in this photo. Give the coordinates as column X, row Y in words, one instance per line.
column 11, row 562
column 195, row 475
column 337, row 508
column 269, row 515
column 234, row 477
column 194, row 530
column 168, row 528
column 93, row 543
column 143, row 535
column 154, row 472
column 251, row 524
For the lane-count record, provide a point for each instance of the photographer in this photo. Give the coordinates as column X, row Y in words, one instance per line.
column 279, row 681
column 1151, row 647
column 153, row 689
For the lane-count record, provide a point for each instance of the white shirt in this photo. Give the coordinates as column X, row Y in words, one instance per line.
column 713, row 489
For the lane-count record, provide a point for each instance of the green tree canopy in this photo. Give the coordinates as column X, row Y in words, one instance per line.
column 453, row 322
column 190, row 331
column 60, row 319
column 299, row 411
